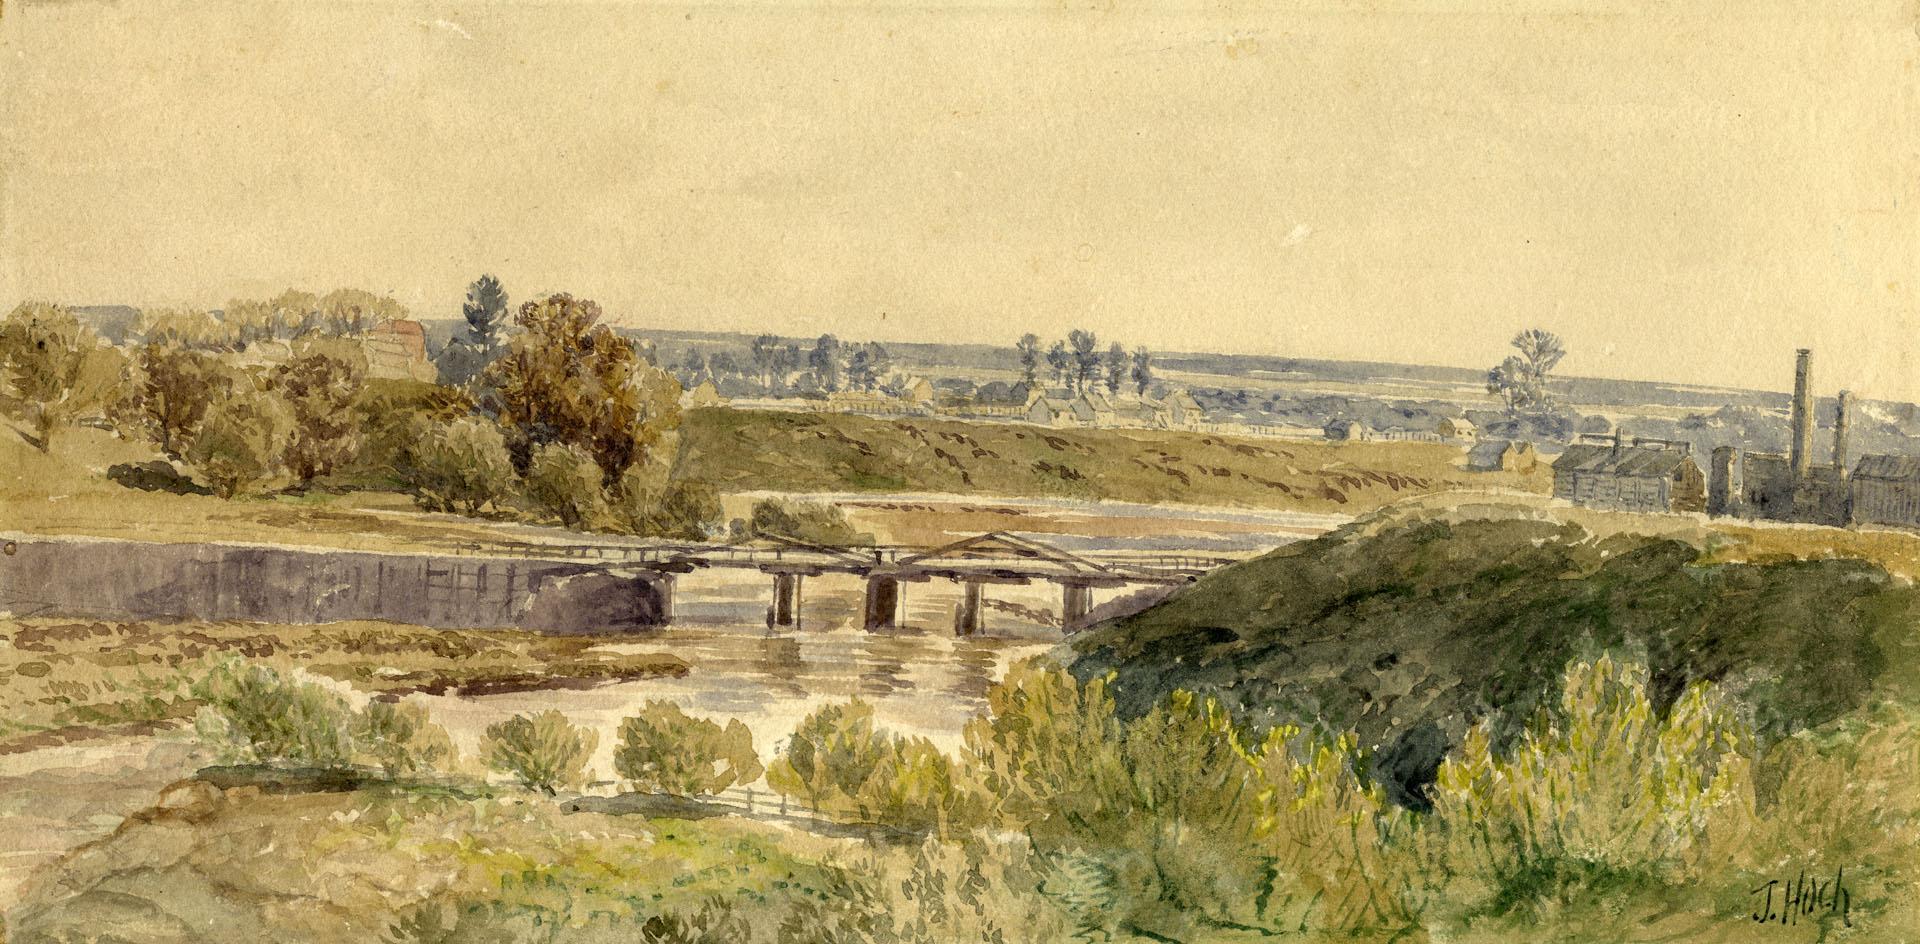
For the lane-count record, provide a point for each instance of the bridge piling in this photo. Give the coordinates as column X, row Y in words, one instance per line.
column 883, row 603
column 1075, row 601
column 967, row 619
column 786, row 599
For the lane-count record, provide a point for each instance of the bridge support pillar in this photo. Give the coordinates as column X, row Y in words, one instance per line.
column 786, row 599
column 663, row 590
column 967, row 619
column 883, row 603
column 1075, row 602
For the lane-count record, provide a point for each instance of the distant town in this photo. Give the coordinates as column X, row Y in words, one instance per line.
column 1610, row 444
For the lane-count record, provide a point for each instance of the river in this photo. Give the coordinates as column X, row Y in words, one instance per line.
column 921, row 679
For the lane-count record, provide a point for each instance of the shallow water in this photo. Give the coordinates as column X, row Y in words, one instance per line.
column 921, row 678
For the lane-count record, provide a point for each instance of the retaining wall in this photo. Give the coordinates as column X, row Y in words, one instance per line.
column 135, row 580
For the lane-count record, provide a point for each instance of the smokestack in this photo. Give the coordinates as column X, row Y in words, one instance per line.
column 1802, row 455
column 1840, row 431
column 1619, row 440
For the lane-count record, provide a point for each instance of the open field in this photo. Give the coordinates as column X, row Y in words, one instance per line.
column 822, row 452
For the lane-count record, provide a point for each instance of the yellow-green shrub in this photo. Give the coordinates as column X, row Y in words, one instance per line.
column 1601, row 792
column 830, row 755
column 841, row 764
column 543, row 751
column 1173, row 823
column 1343, row 857
column 1043, row 734
column 400, row 738
column 254, row 715
column 662, row 750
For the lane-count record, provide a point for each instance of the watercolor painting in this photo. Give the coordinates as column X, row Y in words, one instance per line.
column 900, row 473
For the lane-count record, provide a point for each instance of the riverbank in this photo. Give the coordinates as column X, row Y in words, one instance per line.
column 68, row 681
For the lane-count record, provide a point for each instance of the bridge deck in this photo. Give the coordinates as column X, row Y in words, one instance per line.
column 983, row 557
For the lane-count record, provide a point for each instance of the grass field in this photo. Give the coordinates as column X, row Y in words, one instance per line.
column 740, row 450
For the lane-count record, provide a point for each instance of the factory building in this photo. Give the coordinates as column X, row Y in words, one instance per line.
column 1651, row 475
column 1772, row 487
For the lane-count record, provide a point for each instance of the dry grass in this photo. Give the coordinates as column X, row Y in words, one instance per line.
column 802, row 452
column 66, row 680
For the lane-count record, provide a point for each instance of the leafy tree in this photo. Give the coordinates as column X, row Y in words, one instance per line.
column 55, row 371
column 566, row 378
column 662, row 750
column 350, row 312
column 1142, row 371
column 860, row 372
column 765, row 349
column 1029, row 348
column 242, row 437
column 564, row 481
column 176, row 387
column 1086, row 357
column 198, row 330
column 825, row 362
column 1061, row 363
column 694, row 368
column 1116, row 367
column 1521, row 379
column 486, row 313
column 458, row 465
column 320, row 386
column 294, row 313
column 247, row 321
column 686, row 510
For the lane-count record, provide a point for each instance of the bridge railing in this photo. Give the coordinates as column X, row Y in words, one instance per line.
column 1119, row 561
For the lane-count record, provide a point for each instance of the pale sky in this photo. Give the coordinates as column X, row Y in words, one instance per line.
column 1681, row 195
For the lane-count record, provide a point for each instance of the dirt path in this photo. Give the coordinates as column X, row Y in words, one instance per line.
column 57, row 798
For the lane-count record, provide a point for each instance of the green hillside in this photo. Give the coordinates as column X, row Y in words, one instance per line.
column 1410, row 627
column 775, row 451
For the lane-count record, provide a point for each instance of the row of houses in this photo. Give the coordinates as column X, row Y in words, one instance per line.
column 1449, row 429
column 1176, row 410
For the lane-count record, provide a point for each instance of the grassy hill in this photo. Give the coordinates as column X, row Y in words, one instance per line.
column 1408, row 626
column 739, row 450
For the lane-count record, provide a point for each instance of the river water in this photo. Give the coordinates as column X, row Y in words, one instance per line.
column 920, row 678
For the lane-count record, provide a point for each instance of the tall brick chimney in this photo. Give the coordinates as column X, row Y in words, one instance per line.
column 1840, row 430
column 1801, row 457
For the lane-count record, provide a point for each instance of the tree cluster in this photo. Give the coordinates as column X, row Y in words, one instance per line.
column 1521, row 380
column 290, row 316
column 778, row 367
column 1077, row 364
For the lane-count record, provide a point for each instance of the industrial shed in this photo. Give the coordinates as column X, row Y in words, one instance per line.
column 1886, row 490
column 1651, row 475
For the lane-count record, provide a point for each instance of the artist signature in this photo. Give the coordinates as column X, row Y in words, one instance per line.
column 1811, row 898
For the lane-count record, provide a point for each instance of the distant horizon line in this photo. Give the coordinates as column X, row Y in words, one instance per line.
column 989, row 346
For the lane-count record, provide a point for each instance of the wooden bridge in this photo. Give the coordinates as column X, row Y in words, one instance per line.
column 995, row 558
